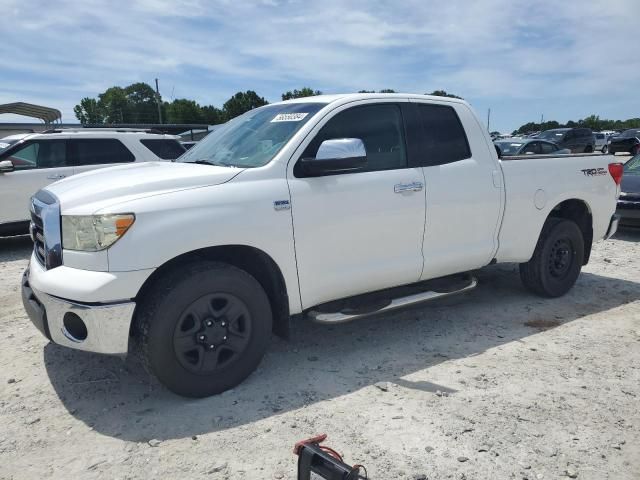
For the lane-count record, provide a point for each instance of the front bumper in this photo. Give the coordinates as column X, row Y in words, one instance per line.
column 105, row 327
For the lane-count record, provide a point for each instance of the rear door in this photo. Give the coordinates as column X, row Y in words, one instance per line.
column 37, row 164
column 360, row 231
column 91, row 153
column 464, row 192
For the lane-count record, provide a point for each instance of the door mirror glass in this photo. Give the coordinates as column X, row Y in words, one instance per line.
column 338, row 155
column 6, row 166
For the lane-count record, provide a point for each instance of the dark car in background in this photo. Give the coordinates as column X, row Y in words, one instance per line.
column 627, row 142
column 528, row 146
column 578, row 140
column 629, row 201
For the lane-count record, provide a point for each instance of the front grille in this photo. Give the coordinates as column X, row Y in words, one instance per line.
column 37, row 235
column 45, row 229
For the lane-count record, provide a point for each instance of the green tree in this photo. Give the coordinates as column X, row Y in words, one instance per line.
column 182, row 110
column 142, row 104
column 442, row 93
column 87, row 111
column 303, row 92
column 242, row 102
column 114, row 105
column 212, row 115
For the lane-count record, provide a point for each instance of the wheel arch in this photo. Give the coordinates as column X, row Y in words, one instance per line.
column 579, row 212
column 250, row 259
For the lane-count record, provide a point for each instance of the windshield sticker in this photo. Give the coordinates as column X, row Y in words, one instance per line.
column 289, row 117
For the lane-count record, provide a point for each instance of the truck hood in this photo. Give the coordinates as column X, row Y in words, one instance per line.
column 105, row 186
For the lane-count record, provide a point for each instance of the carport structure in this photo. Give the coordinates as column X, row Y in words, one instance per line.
column 47, row 114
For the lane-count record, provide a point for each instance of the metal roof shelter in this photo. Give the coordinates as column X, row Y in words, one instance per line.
column 46, row 114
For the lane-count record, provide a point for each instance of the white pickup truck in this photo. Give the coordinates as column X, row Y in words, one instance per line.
column 330, row 207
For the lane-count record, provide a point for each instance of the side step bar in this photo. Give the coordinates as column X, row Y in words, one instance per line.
column 393, row 304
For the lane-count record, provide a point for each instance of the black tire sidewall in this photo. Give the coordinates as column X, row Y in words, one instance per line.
column 564, row 229
column 195, row 283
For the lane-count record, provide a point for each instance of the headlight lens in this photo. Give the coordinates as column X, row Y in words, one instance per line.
column 91, row 233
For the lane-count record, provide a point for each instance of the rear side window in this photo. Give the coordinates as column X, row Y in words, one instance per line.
column 444, row 138
column 96, row 151
column 164, row 148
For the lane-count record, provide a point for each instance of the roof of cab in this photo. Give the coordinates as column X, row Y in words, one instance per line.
column 350, row 97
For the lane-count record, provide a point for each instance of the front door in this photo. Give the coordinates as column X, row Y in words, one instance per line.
column 37, row 164
column 361, row 231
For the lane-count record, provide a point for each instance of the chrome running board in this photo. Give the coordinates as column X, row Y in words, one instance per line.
column 340, row 317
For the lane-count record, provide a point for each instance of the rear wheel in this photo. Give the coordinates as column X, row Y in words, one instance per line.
column 588, row 149
column 604, row 149
column 557, row 259
column 204, row 328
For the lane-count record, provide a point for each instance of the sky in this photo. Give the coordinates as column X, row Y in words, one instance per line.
column 564, row 59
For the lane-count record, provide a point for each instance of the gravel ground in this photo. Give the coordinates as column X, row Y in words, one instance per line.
column 495, row 384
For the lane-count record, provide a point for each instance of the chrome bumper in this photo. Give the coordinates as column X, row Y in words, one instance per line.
column 106, row 326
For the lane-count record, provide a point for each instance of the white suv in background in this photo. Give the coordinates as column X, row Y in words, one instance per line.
column 36, row 160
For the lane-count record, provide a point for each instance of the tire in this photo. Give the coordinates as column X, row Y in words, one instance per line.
column 588, row 149
column 199, row 305
column 604, row 150
column 557, row 259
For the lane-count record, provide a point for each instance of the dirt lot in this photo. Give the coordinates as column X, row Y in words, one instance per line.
column 497, row 384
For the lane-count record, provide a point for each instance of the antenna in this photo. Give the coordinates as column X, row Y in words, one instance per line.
column 158, row 102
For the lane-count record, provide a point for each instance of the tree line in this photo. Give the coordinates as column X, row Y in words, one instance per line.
column 138, row 103
column 594, row 122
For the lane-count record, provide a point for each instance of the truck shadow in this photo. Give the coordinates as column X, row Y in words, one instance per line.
column 322, row 362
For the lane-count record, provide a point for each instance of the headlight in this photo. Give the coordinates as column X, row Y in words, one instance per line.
column 91, row 233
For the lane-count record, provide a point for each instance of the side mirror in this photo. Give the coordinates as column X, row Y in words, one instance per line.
column 6, row 166
column 338, row 155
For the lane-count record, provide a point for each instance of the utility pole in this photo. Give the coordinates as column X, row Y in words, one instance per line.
column 541, row 119
column 488, row 119
column 158, row 102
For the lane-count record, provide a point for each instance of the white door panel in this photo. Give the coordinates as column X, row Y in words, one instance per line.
column 354, row 233
column 16, row 188
column 463, row 208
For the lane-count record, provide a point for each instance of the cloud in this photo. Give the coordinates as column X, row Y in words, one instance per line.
column 58, row 52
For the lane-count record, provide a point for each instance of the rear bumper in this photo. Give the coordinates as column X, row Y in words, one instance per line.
column 629, row 212
column 106, row 326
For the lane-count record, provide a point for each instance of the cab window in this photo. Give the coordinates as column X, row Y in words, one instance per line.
column 380, row 128
column 39, row 154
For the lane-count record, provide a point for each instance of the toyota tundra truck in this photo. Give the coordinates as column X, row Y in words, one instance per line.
column 329, row 207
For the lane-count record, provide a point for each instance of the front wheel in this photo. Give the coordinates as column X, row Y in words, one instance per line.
column 204, row 328
column 604, row 149
column 557, row 259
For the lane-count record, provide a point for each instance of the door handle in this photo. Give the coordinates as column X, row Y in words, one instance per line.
column 56, row 177
column 408, row 187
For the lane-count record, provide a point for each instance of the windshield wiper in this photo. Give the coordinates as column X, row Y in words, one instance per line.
column 215, row 164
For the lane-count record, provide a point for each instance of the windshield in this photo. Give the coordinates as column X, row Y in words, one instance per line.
column 632, row 167
column 553, row 135
column 509, row 148
column 4, row 143
column 254, row 138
